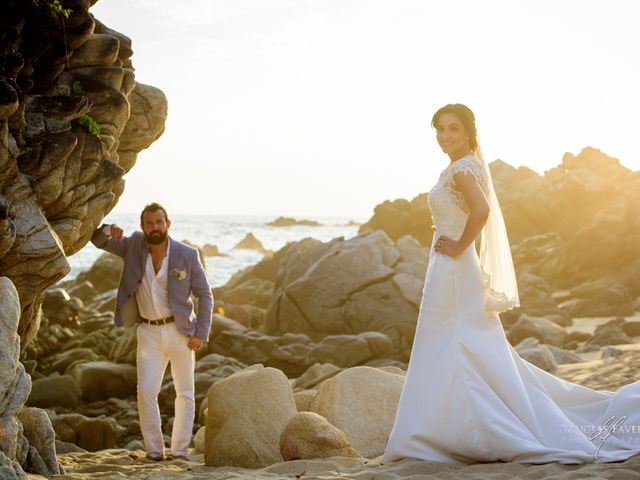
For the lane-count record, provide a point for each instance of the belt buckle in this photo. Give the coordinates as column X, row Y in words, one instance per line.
column 157, row 322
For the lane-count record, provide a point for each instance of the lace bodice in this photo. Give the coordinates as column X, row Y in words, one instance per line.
column 449, row 210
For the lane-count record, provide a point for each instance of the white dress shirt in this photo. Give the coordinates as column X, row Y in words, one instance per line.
column 152, row 295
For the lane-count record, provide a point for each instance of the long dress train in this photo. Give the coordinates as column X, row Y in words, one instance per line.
column 469, row 397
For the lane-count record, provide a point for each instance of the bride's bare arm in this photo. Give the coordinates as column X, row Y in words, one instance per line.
column 478, row 213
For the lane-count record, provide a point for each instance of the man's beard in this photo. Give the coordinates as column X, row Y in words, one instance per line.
column 156, row 237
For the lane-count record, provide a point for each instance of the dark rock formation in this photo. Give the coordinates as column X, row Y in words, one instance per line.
column 72, row 119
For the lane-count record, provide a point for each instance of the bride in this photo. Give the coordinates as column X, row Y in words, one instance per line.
column 468, row 396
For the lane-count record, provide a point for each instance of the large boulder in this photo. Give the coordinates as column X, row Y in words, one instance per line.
column 610, row 333
column 60, row 308
column 309, row 435
column 91, row 434
column 15, row 383
column 366, row 283
column 41, row 436
column 541, row 328
column 54, row 391
column 209, row 369
column 362, row 402
column 540, row 355
column 101, row 380
column 104, row 274
column 247, row 413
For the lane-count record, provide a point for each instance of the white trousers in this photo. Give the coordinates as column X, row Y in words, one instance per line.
column 157, row 346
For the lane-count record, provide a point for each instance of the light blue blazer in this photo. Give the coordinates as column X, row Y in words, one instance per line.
column 185, row 276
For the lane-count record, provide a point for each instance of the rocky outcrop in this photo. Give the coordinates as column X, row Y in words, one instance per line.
column 537, row 327
column 401, row 217
column 247, row 294
column 72, row 119
column 250, row 242
column 26, row 440
column 576, row 228
column 290, row 222
column 366, row 283
column 247, row 413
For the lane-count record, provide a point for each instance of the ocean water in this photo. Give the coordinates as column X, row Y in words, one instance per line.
column 225, row 232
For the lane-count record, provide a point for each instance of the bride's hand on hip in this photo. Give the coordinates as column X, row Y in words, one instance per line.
column 447, row 246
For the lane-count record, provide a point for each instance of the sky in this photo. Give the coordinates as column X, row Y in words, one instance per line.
column 312, row 108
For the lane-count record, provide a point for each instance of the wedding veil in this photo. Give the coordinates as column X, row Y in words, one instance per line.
column 498, row 273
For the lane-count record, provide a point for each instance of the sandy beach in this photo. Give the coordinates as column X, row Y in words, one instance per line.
column 601, row 373
column 117, row 464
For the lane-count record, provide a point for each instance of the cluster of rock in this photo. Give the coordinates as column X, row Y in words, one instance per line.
column 290, row 222
column 255, row 419
column 72, row 121
column 85, row 379
column 367, row 287
column 328, row 325
column 574, row 231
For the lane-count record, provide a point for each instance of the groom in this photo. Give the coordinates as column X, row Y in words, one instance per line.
column 159, row 276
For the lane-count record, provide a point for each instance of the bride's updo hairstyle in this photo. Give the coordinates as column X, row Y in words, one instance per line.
column 465, row 115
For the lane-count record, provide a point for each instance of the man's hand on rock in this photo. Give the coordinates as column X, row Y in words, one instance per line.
column 114, row 231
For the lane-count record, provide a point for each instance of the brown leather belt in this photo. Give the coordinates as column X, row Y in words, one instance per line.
column 159, row 321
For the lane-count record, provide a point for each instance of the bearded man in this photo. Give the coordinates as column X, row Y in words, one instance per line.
column 158, row 278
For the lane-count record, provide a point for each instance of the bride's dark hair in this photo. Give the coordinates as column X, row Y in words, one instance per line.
column 465, row 115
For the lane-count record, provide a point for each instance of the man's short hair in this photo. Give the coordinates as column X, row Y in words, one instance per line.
column 153, row 207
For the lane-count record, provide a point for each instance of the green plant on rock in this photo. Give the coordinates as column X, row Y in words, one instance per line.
column 77, row 87
column 90, row 124
column 56, row 8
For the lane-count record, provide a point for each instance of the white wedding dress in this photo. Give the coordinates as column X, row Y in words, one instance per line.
column 469, row 397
